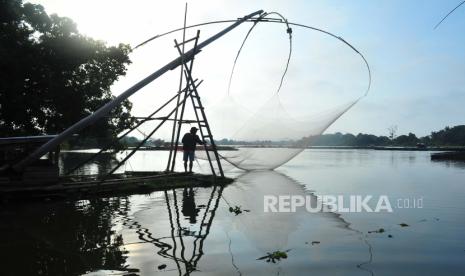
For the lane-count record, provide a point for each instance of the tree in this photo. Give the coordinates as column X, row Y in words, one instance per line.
column 52, row 76
column 392, row 130
column 407, row 140
column 449, row 136
column 366, row 140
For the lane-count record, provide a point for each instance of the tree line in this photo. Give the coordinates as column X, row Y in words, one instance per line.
column 449, row 136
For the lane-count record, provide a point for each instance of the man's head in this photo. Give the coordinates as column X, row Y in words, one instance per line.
column 193, row 130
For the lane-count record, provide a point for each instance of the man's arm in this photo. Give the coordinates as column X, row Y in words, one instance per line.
column 198, row 141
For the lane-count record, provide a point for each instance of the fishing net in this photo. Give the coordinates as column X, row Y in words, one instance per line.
column 271, row 137
column 270, row 121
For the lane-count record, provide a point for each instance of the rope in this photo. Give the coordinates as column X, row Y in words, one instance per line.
column 271, row 21
column 437, row 25
column 288, row 31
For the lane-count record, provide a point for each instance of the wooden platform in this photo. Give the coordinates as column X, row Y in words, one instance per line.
column 125, row 184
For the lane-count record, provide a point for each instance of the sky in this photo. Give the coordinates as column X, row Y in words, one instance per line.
column 418, row 73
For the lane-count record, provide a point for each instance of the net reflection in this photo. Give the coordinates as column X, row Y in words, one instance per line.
column 267, row 232
column 270, row 230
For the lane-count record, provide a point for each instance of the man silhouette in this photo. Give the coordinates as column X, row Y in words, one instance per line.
column 189, row 143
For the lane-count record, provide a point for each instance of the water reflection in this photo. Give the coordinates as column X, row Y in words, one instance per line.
column 61, row 238
column 188, row 205
column 99, row 235
column 190, row 231
column 188, row 238
column 102, row 164
column 176, row 223
column 282, row 231
column 177, row 232
column 268, row 231
column 450, row 163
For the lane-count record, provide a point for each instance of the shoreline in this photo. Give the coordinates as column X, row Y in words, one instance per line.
column 235, row 148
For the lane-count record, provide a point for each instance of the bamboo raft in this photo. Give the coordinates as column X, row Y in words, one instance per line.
column 123, row 184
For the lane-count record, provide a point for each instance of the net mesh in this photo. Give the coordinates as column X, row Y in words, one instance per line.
column 265, row 134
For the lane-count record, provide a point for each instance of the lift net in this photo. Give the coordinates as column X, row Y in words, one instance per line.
column 268, row 129
column 288, row 83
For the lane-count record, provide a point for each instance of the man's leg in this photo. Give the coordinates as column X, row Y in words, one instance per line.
column 184, row 157
column 191, row 159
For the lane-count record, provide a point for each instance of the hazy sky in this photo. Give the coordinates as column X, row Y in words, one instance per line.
column 418, row 73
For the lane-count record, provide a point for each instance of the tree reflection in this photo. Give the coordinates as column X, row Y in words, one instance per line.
column 101, row 165
column 61, row 238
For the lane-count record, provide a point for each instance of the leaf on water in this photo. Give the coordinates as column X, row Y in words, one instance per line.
column 162, row 266
column 274, row 256
column 237, row 210
column 389, row 236
column 315, row 242
column 404, row 224
column 380, row 230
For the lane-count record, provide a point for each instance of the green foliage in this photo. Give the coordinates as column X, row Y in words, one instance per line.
column 449, row 136
column 55, row 75
column 237, row 210
column 339, row 139
column 380, row 230
column 454, row 136
column 407, row 140
column 274, row 256
column 130, row 141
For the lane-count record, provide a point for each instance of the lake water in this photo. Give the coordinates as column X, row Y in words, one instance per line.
column 192, row 231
